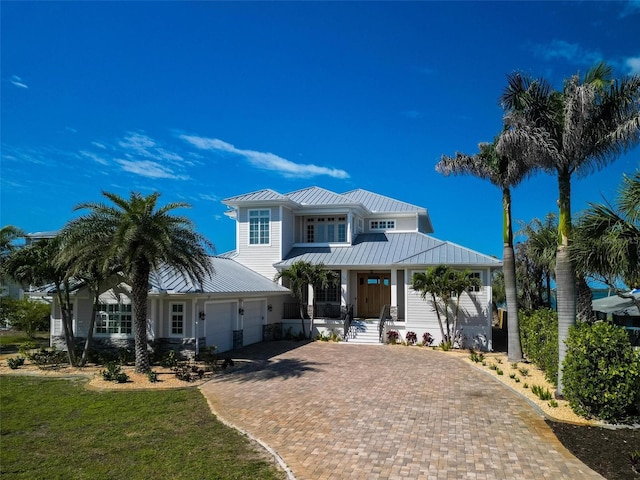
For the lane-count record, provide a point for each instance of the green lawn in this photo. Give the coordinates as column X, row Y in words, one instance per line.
column 57, row 429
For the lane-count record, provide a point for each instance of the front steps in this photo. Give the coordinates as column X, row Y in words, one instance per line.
column 364, row 332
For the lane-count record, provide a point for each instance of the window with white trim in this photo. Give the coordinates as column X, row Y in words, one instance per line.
column 382, row 224
column 177, row 319
column 326, row 230
column 114, row 318
column 259, row 227
column 329, row 294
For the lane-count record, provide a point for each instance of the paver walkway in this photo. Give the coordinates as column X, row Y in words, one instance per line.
column 340, row 411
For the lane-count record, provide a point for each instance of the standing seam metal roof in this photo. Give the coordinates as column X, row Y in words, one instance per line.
column 386, row 249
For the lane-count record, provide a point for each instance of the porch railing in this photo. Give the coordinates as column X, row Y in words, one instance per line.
column 292, row 310
column 322, row 310
column 385, row 314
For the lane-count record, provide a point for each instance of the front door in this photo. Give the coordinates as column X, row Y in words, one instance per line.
column 374, row 291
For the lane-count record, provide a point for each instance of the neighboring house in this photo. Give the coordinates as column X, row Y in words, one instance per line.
column 621, row 311
column 375, row 243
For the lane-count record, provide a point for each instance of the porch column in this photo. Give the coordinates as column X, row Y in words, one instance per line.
column 344, row 288
column 394, row 294
column 310, row 300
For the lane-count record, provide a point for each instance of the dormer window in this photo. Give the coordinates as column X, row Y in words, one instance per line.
column 259, row 227
column 382, row 224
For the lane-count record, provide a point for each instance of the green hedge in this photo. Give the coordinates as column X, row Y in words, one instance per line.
column 539, row 339
column 601, row 375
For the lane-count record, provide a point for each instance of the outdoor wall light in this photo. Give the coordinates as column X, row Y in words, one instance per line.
column 241, row 311
column 202, row 316
column 270, row 307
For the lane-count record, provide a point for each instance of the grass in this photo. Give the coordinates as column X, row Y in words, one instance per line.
column 59, row 427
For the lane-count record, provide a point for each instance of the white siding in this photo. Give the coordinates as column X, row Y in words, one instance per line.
column 260, row 258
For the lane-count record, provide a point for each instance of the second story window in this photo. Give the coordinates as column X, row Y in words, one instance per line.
column 382, row 224
column 326, row 230
column 259, row 227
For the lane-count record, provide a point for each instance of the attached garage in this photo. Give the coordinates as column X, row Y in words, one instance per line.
column 220, row 322
column 253, row 319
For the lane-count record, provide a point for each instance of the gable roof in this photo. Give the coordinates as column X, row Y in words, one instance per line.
column 318, row 196
column 257, row 196
column 387, row 249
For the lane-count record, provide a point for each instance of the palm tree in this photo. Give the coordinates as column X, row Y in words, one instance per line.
column 607, row 243
column 504, row 172
column 37, row 264
column 8, row 234
column 583, row 128
column 541, row 244
column 139, row 236
column 299, row 276
column 441, row 282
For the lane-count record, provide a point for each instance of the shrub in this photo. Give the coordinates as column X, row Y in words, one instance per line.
column 602, row 372
column 475, row 356
column 152, row 376
column 393, row 336
column 539, row 336
column 114, row 373
column 411, row 338
column 48, row 357
column 427, row 339
column 15, row 362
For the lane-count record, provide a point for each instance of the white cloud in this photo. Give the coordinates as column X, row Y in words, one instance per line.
column 138, row 144
column 267, row 161
column 211, row 198
column 17, row 81
column 94, row 157
column 149, row 169
column 571, row 52
column 633, row 63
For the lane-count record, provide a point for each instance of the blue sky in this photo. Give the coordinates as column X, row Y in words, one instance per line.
column 206, row 100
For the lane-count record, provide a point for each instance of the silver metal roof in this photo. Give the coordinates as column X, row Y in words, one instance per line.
column 318, row 196
column 259, row 195
column 380, row 204
column 229, row 277
column 387, row 249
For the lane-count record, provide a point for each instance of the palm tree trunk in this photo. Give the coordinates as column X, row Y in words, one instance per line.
column 585, row 297
column 302, row 310
column 435, row 305
column 139, row 293
column 565, row 274
column 89, row 339
column 514, row 349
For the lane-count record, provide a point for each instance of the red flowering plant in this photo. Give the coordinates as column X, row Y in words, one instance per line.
column 427, row 339
column 411, row 338
column 392, row 336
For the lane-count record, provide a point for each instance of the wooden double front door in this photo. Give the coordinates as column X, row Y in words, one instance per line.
column 374, row 291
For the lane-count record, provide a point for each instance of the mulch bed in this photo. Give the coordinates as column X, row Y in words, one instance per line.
column 605, row 450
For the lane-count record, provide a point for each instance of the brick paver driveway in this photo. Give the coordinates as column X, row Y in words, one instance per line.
column 335, row 411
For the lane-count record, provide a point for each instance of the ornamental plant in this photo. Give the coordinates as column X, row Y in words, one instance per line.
column 393, row 336
column 427, row 339
column 411, row 338
column 602, row 372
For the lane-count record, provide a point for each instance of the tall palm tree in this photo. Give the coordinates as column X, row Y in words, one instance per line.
column 580, row 129
column 505, row 172
column 8, row 234
column 607, row 244
column 139, row 236
column 299, row 276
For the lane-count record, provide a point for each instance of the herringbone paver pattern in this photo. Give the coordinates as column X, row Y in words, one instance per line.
column 340, row 411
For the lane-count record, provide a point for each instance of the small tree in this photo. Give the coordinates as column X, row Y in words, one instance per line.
column 299, row 276
column 441, row 283
column 26, row 315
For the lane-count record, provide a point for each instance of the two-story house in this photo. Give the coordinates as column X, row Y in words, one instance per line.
column 375, row 243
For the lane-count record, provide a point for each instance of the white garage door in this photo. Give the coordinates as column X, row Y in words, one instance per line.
column 219, row 324
column 254, row 312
